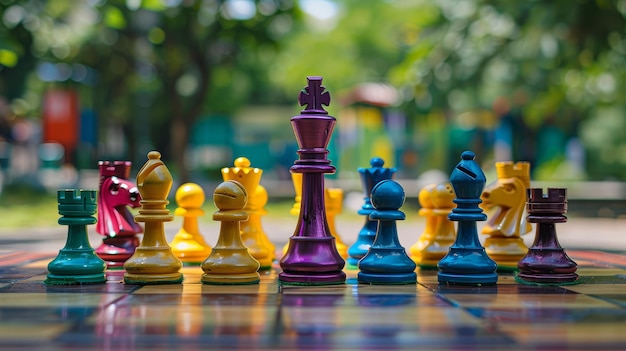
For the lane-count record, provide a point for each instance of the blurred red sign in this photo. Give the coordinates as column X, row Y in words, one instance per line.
column 60, row 118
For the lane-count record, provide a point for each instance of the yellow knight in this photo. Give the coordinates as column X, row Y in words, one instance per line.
column 507, row 197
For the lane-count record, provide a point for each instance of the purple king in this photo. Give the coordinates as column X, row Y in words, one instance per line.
column 312, row 257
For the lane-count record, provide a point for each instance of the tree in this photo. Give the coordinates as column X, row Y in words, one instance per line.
column 182, row 54
column 157, row 63
column 557, row 61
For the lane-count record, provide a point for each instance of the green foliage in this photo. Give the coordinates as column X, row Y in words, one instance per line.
column 361, row 44
column 164, row 63
column 557, row 61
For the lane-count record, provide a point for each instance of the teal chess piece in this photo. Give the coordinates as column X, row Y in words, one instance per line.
column 369, row 177
column 77, row 262
column 386, row 261
column 466, row 261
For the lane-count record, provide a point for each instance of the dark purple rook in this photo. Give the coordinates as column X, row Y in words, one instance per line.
column 312, row 257
column 546, row 262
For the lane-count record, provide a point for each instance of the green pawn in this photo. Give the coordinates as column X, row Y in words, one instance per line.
column 77, row 263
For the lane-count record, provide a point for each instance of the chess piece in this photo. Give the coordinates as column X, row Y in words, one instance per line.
column 369, row 177
column 153, row 261
column 252, row 233
column 436, row 201
column 386, row 262
column 259, row 200
column 77, row 262
column 230, row 262
column 115, row 222
column 507, row 195
column 189, row 244
column 312, row 257
column 466, row 261
column 333, row 201
column 546, row 262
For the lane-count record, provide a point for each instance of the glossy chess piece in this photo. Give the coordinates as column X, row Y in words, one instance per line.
column 230, row 262
column 333, row 200
column 189, row 244
column 369, row 177
column 466, row 261
column 153, row 261
column 252, row 233
column 436, row 201
column 507, row 196
column 259, row 200
column 546, row 262
column 115, row 221
column 386, row 262
column 77, row 262
column 312, row 257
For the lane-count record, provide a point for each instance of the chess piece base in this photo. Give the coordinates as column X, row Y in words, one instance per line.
column 398, row 278
column 468, row 279
column 265, row 263
column 190, row 252
column 506, row 251
column 56, row 279
column 231, row 279
column 115, row 251
column 550, row 278
column 149, row 279
column 428, row 255
column 330, row 278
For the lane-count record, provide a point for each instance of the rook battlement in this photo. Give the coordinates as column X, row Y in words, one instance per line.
column 553, row 195
column 120, row 169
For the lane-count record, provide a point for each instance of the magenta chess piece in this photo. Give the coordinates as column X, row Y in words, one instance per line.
column 546, row 262
column 312, row 257
column 115, row 222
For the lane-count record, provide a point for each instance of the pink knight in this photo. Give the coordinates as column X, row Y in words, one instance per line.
column 115, row 221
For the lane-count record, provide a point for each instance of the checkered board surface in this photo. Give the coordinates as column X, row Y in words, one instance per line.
column 427, row 316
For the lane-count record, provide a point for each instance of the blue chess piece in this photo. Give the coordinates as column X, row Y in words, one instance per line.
column 466, row 261
column 386, row 262
column 369, row 177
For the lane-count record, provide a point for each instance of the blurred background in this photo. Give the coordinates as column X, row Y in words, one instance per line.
column 413, row 81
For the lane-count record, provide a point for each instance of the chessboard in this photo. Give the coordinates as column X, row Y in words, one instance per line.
column 427, row 315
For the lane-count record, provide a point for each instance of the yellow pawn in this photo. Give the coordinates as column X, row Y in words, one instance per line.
column 188, row 244
column 333, row 202
column 153, row 261
column 256, row 210
column 439, row 233
column 230, row 262
column 251, row 232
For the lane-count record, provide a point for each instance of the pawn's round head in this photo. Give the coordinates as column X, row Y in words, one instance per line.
column 387, row 195
column 230, row 195
column 425, row 196
column 190, row 195
column 443, row 195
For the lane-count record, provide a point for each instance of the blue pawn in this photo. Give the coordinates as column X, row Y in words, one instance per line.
column 386, row 262
column 369, row 177
column 466, row 261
